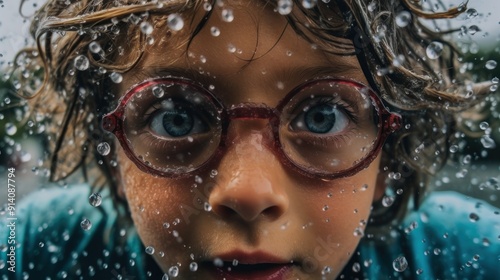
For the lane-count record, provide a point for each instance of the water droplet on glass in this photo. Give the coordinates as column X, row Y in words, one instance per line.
column 150, row 250
column 473, row 29
column 215, row 31
column 95, row 199
column 400, row 264
column 227, row 15
column 495, row 80
column 86, row 224
column 484, row 125
column 434, row 50
column 387, row 201
column 116, row 77
column 81, row 63
column 103, row 148
column 285, row 7
column 493, row 88
column 403, row 19
column 490, row 64
column 10, row 128
column 467, row 159
column 175, row 22
column 173, row 271
column 94, row 47
column 193, row 266
column 146, row 28
column 473, row 217
column 158, row 91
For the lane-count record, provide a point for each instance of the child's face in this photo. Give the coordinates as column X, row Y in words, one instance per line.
column 261, row 211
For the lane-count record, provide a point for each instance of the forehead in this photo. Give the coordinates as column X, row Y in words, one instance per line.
column 244, row 44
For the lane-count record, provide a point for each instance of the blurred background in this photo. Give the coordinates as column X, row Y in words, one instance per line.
column 474, row 167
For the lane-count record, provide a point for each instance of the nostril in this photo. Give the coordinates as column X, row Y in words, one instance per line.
column 224, row 211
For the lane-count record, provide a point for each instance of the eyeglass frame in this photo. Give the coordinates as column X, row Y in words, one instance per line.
column 114, row 123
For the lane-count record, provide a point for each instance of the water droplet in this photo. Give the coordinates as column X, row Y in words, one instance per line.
column 493, row 88
column 165, row 277
column 215, row 31
column 227, row 15
column 95, row 199
column 325, row 208
column 488, row 142
column 213, row 173
column 359, row 232
column 467, row 159
column 387, row 201
column 146, row 28
column 173, row 271
column 437, row 251
column 285, row 7
column 103, row 148
column 473, row 217
column 218, row 262
column 10, row 129
column 453, row 149
column 309, row 4
column 166, row 225
column 326, row 270
column 372, row 6
column 356, row 267
column 116, row 77
column 419, row 271
column 495, row 80
column 207, row 207
column 94, row 47
column 472, row 13
column 86, row 224
column 150, row 250
column 473, row 29
column 175, row 22
column 81, row 63
column 484, row 125
column 193, row 266
column 490, row 64
column 434, row 50
column 158, row 91
column 400, row 264
column 403, row 19
column 207, row 6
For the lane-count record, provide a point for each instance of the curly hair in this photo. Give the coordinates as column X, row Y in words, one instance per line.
column 426, row 91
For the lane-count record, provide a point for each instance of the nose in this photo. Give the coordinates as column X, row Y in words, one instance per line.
column 251, row 180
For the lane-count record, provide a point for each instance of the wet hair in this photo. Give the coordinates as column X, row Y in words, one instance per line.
column 389, row 38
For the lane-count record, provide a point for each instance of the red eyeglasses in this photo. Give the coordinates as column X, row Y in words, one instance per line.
column 324, row 128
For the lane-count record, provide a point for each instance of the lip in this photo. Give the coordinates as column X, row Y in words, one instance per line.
column 250, row 266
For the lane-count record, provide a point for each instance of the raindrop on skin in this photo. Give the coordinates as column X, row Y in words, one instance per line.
column 81, row 63
column 400, row 264
column 473, row 217
column 227, row 15
column 95, row 199
column 146, row 28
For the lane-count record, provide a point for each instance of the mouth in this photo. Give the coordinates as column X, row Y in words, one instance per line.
column 255, row 266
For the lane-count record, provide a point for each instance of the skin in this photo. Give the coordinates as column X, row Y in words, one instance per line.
column 258, row 204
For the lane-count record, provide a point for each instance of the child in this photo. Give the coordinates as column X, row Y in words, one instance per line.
column 248, row 140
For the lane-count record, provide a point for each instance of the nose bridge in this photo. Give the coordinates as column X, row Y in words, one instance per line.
column 250, row 180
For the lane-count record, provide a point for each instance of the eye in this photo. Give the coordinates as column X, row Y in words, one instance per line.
column 177, row 120
column 321, row 117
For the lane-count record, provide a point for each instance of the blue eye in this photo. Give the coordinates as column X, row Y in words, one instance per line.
column 321, row 118
column 177, row 121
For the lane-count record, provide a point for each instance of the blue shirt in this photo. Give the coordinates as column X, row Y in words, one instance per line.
column 451, row 236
